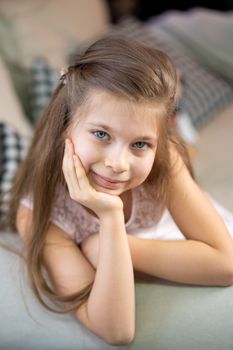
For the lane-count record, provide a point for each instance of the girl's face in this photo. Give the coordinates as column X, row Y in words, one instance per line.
column 116, row 141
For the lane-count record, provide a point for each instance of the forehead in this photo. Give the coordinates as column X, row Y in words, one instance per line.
column 121, row 114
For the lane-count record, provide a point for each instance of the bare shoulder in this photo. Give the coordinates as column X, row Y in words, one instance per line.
column 24, row 222
column 177, row 163
column 68, row 268
column 192, row 210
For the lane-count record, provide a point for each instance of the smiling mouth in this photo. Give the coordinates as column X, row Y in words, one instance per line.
column 103, row 181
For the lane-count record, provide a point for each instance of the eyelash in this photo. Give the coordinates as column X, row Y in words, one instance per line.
column 101, row 138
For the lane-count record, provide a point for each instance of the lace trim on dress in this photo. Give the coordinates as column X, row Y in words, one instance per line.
column 148, row 211
column 75, row 219
column 78, row 223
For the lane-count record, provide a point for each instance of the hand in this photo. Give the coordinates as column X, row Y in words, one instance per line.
column 90, row 248
column 79, row 186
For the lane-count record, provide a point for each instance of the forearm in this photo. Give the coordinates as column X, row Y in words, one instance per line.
column 111, row 305
column 187, row 261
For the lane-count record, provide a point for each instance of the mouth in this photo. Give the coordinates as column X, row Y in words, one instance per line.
column 106, row 182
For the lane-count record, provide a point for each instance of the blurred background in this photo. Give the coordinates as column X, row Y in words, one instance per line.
column 39, row 37
column 143, row 9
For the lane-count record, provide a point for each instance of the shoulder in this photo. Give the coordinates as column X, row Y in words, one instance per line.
column 24, row 222
column 181, row 184
column 64, row 259
column 176, row 161
column 56, row 238
column 191, row 209
column 67, row 266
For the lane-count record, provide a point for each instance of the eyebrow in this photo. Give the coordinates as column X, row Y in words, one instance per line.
column 143, row 138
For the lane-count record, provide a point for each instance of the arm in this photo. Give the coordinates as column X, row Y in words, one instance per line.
column 206, row 257
column 109, row 311
column 113, row 288
column 191, row 262
column 112, row 299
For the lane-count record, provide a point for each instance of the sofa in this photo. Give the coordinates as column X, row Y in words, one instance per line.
column 39, row 38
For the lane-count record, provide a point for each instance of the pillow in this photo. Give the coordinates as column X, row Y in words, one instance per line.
column 11, row 110
column 13, row 148
column 50, row 28
column 43, row 81
column 204, row 93
column 205, row 34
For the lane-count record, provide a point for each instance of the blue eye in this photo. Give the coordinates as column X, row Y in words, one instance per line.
column 141, row 144
column 100, row 134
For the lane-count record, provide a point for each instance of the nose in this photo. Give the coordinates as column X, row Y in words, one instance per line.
column 118, row 161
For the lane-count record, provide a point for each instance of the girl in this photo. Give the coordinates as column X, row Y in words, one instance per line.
column 103, row 167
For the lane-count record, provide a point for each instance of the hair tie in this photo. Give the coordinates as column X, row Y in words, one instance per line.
column 63, row 75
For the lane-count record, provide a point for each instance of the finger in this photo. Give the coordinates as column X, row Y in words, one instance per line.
column 80, row 172
column 69, row 170
column 79, row 169
column 65, row 168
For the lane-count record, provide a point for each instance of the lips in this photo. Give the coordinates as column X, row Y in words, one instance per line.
column 107, row 179
column 106, row 182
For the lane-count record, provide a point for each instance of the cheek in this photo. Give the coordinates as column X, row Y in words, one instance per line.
column 88, row 155
column 148, row 163
column 141, row 171
column 144, row 171
column 145, row 168
column 151, row 163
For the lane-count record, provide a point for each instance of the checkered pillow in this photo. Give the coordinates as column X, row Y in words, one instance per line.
column 204, row 92
column 43, row 81
column 13, row 148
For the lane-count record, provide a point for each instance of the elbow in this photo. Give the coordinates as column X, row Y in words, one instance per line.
column 230, row 278
column 122, row 339
column 228, row 273
column 228, row 282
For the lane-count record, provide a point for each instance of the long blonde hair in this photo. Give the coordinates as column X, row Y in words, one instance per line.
column 125, row 68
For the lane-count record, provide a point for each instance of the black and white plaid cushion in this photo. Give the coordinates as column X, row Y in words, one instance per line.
column 43, row 81
column 13, row 148
column 205, row 93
